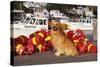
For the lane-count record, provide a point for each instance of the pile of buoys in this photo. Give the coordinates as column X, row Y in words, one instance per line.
column 81, row 42
column 38, row 41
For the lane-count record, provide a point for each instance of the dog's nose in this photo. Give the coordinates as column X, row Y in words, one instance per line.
column 54, row 28
column 49, row 28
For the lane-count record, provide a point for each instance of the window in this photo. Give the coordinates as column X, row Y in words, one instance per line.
column 45, row 13
column 27, row 20
column 87, row 21
column 44, row 22
column 36, row 22
column 40, row 22
column 33, row 21
column 79, row 20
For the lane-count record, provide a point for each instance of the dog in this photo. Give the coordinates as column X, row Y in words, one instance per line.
column 62, row 44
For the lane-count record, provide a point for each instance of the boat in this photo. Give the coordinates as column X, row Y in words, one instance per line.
column 29, row 25
column 82, row 24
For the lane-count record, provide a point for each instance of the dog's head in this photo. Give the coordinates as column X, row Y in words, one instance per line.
column 55, row 26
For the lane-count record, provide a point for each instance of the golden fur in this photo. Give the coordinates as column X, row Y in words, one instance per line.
column 61, row 43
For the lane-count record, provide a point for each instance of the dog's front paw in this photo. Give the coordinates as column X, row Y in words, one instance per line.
column 57, row 53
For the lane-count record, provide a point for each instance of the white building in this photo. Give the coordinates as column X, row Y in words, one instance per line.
column 38, row 8
column 80, row 11
column 57, row 13
column 44, row 13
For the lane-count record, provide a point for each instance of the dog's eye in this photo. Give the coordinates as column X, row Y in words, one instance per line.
column 54, row 28
column 51, row 27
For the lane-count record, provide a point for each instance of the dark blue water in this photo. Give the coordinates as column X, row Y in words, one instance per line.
column 90, row 37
